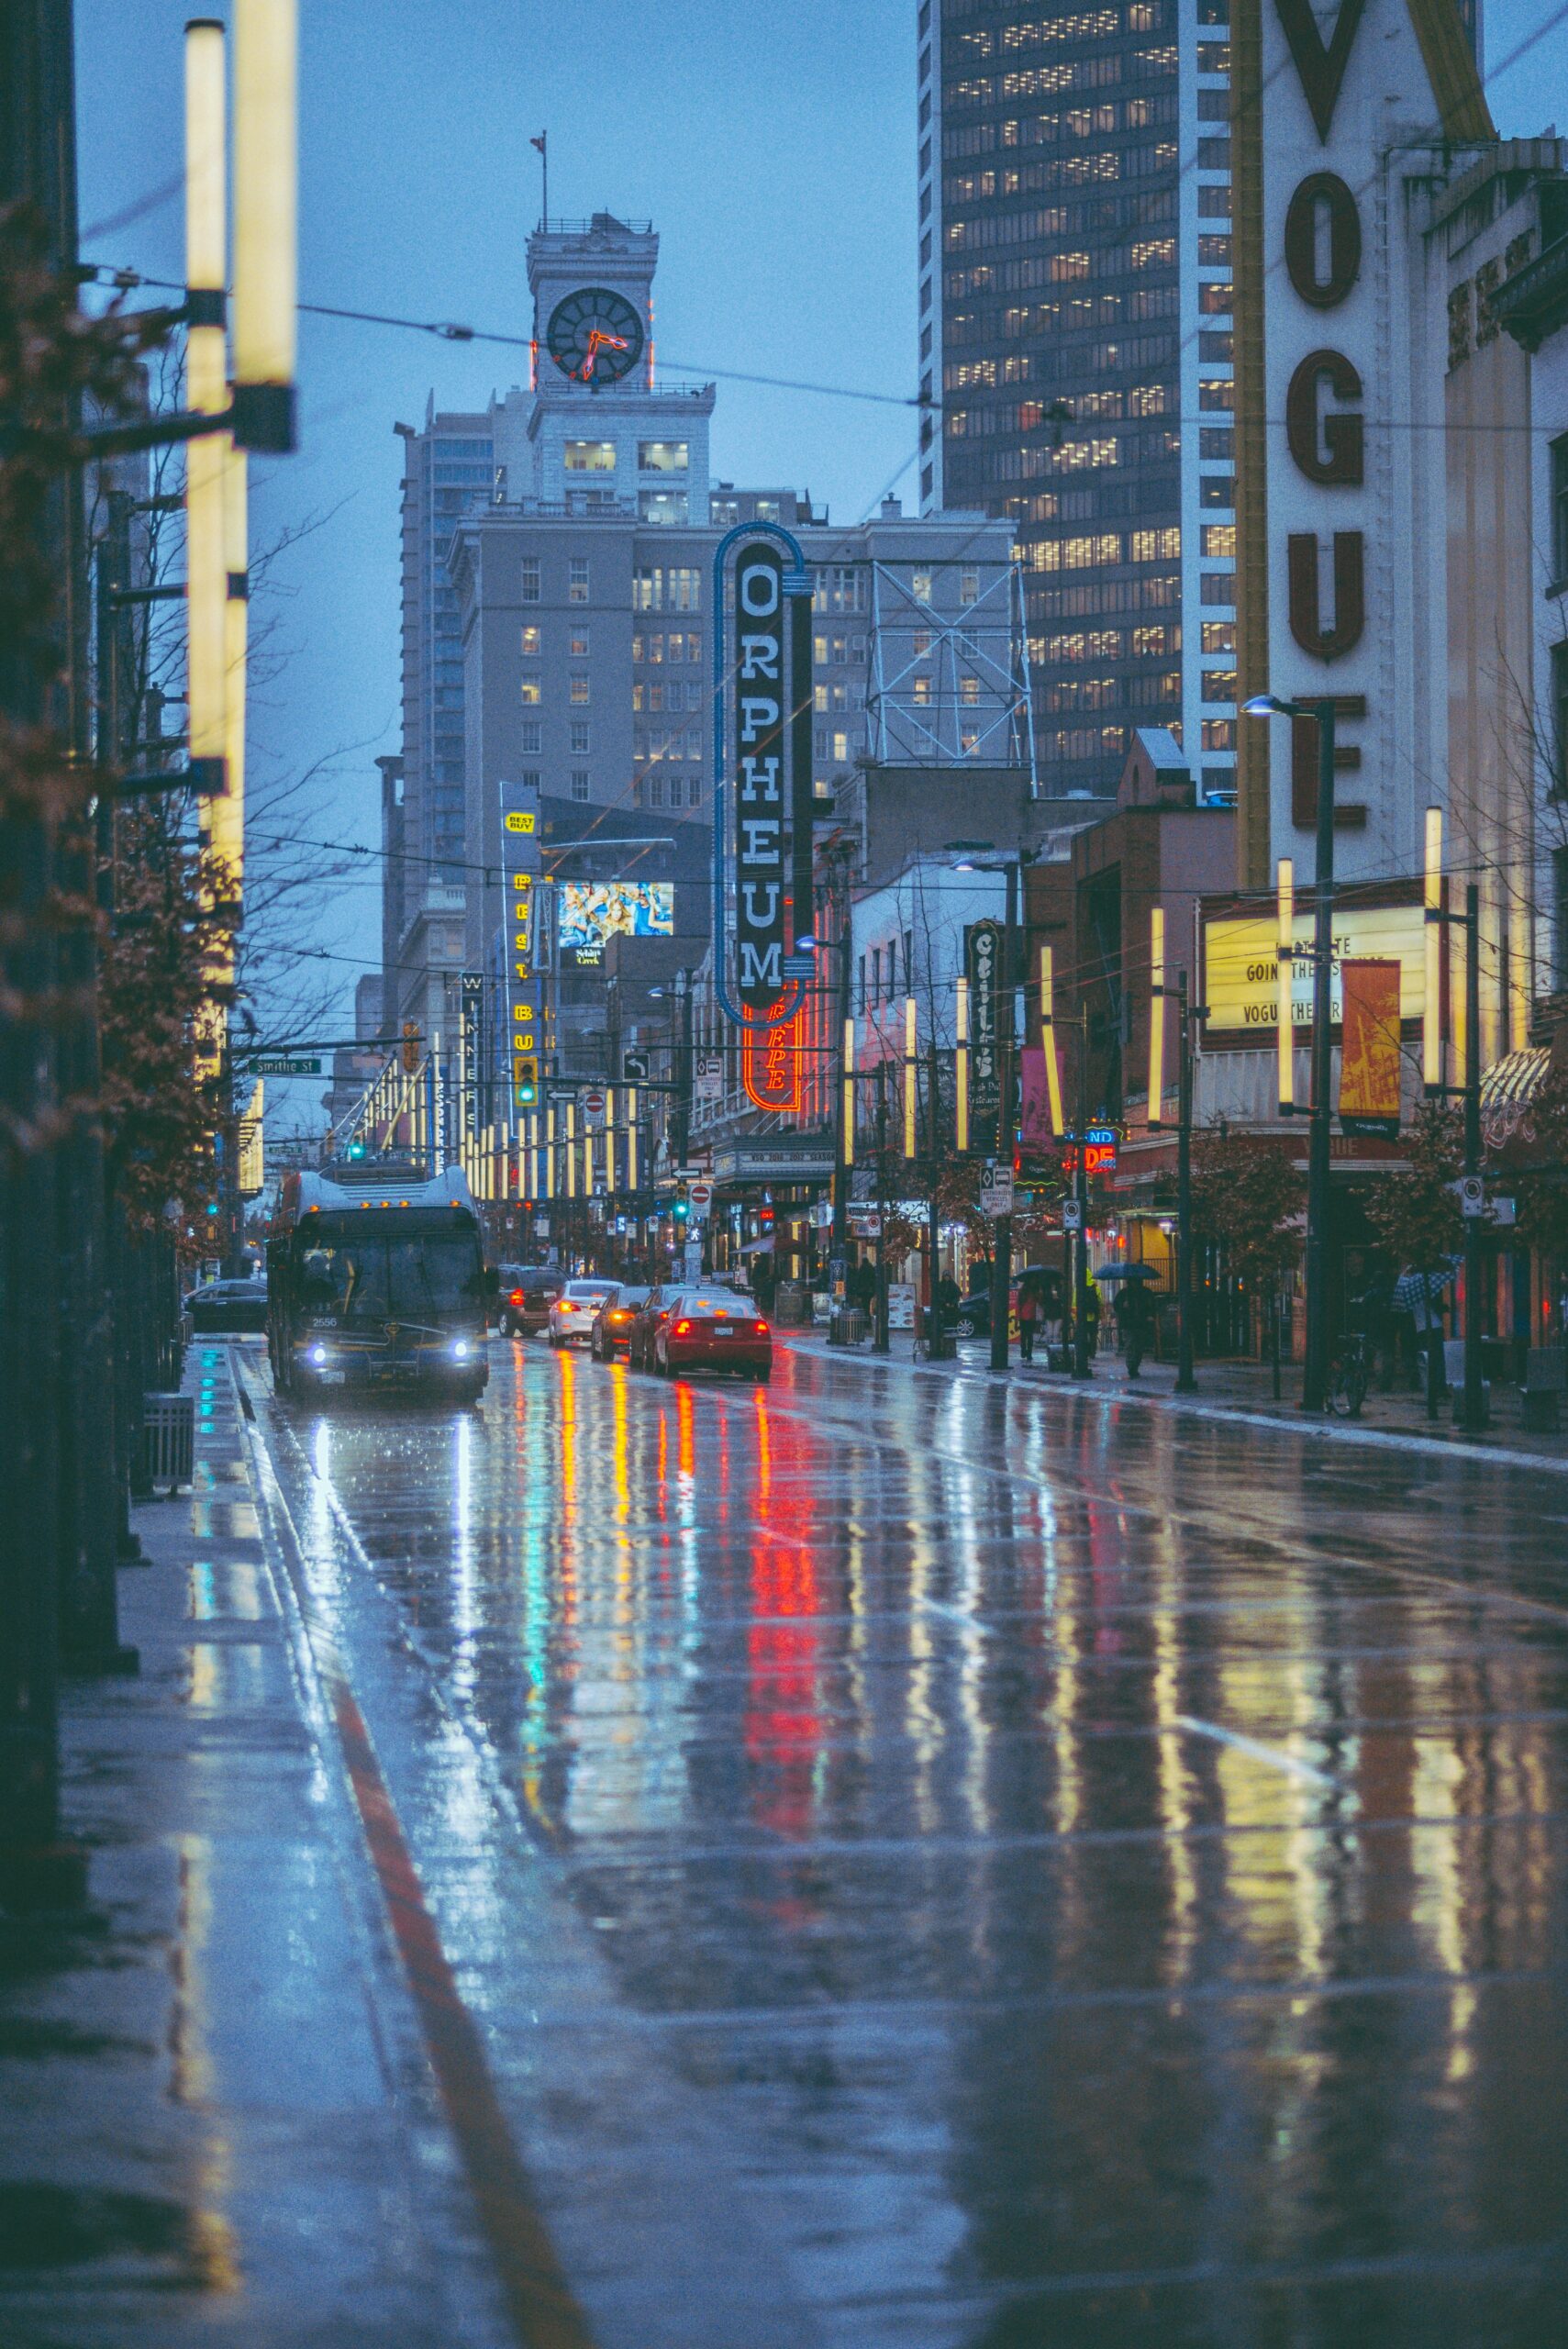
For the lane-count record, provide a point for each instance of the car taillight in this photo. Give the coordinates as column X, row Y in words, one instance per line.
column 682, row 1330
column 516, row 1297
column 620, row 1317
column 761, row 1329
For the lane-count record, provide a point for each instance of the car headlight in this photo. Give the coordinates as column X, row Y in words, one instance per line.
column 460, row 1349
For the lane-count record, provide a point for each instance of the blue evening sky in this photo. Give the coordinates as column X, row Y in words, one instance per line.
column 771, row 142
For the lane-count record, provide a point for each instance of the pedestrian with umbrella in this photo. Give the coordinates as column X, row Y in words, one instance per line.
column 1418, row 1294
column 1134, row 1313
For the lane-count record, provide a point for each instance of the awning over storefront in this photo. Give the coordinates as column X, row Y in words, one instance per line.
column 1507, row 1089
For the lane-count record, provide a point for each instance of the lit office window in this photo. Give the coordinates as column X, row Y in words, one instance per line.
column 662, row 456
column 1220, row 635
column 531, row 692
column 921, row 694
column 1220, row 684
column 667, row 506
column 530, row 642
column 769, row 510
column 969, row 690
column 577, row 688
column 683, row 590
column 819, row 699
column 840, row 746
column 1218, row 540
column 1218, row 734
column 577, row 642
column 969, row 587
column 590, row 456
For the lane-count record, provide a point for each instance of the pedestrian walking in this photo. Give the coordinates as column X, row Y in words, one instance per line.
column 1417, row 1293
column 861, row 1285
column 1134, row 1322
column 763, row 1288
column 1092, row 1309
column 1029, row 1319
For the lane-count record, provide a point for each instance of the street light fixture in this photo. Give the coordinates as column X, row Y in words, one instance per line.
column 1314, row 1379
column 266, row 235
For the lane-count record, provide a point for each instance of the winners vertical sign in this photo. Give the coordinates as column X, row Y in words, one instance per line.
column 761, row 866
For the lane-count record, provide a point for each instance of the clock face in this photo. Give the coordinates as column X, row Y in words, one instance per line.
column 594, row 336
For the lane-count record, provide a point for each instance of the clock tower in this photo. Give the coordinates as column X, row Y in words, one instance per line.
column 601, row 436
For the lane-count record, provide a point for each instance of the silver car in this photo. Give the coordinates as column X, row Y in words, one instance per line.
column 572, row 1315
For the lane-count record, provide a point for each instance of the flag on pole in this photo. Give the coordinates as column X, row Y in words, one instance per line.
column 539, row 142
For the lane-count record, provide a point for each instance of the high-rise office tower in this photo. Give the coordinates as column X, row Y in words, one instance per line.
column 1075, row 345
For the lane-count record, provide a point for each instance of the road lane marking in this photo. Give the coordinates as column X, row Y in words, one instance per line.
column 544, row 2313
column 1272, row 1756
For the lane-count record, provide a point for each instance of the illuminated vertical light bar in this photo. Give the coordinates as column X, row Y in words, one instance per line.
column 609, row 1143
column 1284, row 894
column 847, row 1119
column 1431, row 992
column 265, row 225
column 846, row 1149
column 228, row 813
column 1048, row 1037
column 550, row 1153
column 961, row 1068
column 206, row 393
column 1156, row 1015
column 631, row 1138
column 910, row 1058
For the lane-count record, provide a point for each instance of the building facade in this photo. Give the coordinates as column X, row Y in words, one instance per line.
column 1075, row 354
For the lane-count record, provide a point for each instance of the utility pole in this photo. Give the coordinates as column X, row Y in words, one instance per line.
column 1002, row 1245
column 879, row 1339
column 1081, row 1192
column 1185, row 1382
column 1315, row 1381
column 843, row 1116
column 1474, row 1390
column 936, row 1336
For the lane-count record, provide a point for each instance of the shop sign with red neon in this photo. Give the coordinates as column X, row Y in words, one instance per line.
column 770, row 1064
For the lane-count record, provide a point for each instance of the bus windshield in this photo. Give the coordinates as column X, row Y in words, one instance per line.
column 385, row 1267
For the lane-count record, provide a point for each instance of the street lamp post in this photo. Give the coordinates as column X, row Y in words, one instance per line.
column 1315, row 1381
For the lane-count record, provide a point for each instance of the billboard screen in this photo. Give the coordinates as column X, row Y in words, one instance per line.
column 592, row 912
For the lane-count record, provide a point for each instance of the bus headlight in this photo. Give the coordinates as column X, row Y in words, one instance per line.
column 318, row 1356
column 460, row 1349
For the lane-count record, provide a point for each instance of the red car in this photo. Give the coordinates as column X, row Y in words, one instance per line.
column 706, row 1329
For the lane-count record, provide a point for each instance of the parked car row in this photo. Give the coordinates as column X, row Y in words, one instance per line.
column 675, row 1327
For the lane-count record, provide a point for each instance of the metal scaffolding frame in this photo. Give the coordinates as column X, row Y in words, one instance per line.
column 983, row 643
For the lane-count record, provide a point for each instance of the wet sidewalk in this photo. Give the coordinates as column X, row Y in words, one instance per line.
column 1233, row 1389
column 214, row 2114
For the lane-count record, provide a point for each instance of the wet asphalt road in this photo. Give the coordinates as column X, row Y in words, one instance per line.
column 933, row 1863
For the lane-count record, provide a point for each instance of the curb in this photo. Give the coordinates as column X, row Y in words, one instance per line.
column 1475, row 1451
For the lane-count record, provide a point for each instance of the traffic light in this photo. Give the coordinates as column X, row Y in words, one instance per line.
column 356, row 1150
column 682, row 1205
column 525, row 1080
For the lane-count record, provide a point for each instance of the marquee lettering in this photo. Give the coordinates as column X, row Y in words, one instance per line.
column 1323, row 241
column 1327, row 449
column 1321, row 70
column 1327, row 643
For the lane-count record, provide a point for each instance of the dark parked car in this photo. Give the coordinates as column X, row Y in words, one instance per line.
column 228, row 1305
column 649, row 1314
column 706, row 1329
column 612, row 1323
column 527, row 1294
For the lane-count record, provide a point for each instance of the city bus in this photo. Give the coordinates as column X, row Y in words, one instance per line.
column 376, row 1280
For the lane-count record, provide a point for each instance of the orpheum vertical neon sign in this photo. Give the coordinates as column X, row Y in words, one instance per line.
column 760, row 837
